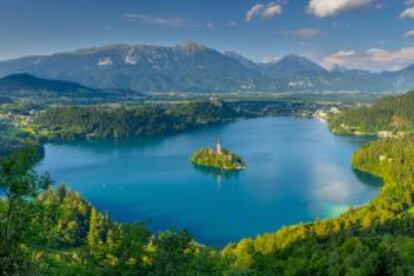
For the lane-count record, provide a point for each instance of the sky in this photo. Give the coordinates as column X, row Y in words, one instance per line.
column 365, row 34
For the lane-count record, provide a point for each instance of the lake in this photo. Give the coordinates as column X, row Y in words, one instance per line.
column 297, row 171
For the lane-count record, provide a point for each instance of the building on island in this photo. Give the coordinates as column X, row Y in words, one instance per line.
column 217, row 157
column 218, row 147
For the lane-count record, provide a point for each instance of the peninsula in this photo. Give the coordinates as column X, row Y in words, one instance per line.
column 217, row 157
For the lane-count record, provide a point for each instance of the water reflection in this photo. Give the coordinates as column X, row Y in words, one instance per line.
column 368, row 179
column 219, row 175
column 334, row 192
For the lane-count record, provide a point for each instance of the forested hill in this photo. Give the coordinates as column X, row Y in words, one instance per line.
column 56, row 232
column 394, row 114
column 27, row 86
column 13, row 138
column 376, row 239
column 59, row 233
column 125, row 121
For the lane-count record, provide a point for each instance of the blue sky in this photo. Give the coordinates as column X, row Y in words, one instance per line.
column 368, row 34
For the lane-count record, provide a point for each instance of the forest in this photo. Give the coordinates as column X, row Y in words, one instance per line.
column 54, row 231
column 125, row 121
column 48, row 230
column 226, row 160
column 13, row 138
column 394, row 114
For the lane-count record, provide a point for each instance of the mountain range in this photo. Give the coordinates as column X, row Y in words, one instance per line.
column 191, row 67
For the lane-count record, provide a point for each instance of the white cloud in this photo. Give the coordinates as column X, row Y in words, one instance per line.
column 373, row 59
column 324, row 8
column 380, row 55
column 255, row 10
column 409, row 33
column 408, row 13
column 265, row 11
column 174, row 22
column 338, row 58
column 272, row 10
column 304, row 33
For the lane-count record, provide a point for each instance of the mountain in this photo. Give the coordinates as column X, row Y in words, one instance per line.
column 192, row 67
column 26, row 85
column 401, row 79
column 292, row 65
column 243, row 61
column 184, row 67
column 296, row 73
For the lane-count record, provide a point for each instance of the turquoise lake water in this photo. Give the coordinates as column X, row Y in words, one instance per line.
column 297, row 171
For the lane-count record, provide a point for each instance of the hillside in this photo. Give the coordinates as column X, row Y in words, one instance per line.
column 292, row 65
column 59, row 233
column 191, row 67
column 13, row 138
column 390, row 114
column 126, row 121
column 185, row 67
column 28, row 86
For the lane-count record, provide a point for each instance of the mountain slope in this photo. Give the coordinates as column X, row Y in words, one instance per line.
column 21, row 82
column 394, row 114
column 185, row 67
column 291, row 65
column 191, row 67
column 26, row 85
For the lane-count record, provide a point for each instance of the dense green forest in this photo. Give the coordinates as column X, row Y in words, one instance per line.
column 209, row 157
column 394, row 114
column 46, row 230
column 376, row 239
column 12, row 138
column 56, row 232
column 121, row 120
column 125, row 121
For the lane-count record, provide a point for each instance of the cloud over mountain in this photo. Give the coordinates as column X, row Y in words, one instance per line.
column 265, row 11
column 372, row 58
column 338, row 58
column 325, row 8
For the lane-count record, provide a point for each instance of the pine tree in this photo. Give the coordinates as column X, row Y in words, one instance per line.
column 95, row 231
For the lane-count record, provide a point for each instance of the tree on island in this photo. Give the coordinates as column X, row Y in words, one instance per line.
column 217, row 157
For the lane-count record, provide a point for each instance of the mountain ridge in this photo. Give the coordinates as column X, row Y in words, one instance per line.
column 194, row 67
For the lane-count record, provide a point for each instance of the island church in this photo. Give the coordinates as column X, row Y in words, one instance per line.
column 218, row 147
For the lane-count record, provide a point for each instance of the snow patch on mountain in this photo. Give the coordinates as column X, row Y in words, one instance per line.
column 131, row 58
column 104, row 61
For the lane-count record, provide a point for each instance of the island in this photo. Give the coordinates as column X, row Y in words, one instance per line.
column 218, row 157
